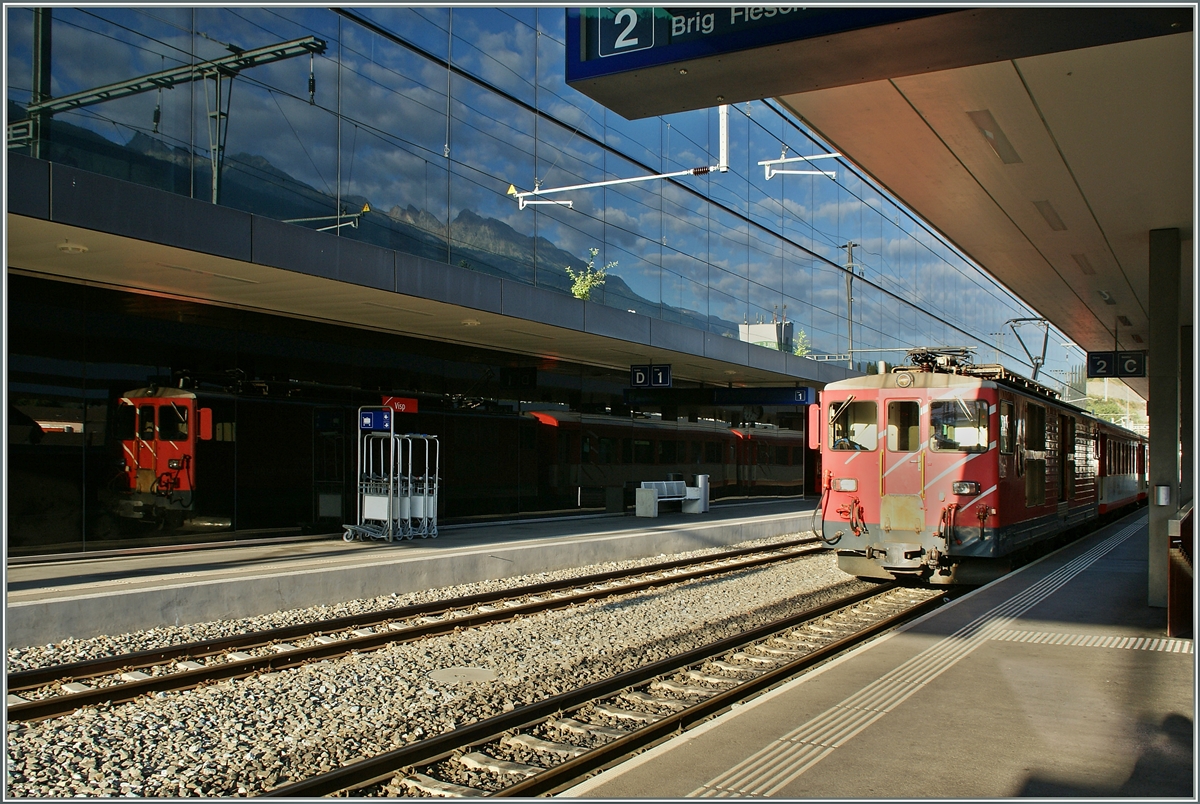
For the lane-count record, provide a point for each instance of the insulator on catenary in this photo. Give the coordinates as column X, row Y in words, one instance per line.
column 700, row 171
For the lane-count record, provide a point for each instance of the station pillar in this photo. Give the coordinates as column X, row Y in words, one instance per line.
column 1163, row 407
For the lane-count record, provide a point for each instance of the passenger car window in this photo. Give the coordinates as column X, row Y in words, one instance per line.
column 1008, row 433
column 958, row 425
column 1035, row 427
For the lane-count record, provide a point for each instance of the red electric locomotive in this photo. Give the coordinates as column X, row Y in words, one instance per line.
column 158, row 429
column 943, row 471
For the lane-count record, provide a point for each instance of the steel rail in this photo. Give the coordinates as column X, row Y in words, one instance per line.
column 43, row 708
column 43, row 676
column 379, row 768
column 556, row 776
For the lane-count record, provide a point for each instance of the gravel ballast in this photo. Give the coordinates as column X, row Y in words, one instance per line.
column 243, row 737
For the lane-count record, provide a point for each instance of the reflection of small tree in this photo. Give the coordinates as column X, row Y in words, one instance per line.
column 591, row 277
column 803, row 347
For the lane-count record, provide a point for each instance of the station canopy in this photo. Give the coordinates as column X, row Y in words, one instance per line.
column 1043, row 142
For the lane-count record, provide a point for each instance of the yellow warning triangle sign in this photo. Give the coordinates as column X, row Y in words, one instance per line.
column 512, row 190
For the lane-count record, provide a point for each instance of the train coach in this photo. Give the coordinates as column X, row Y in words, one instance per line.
column 260, row 458
column 947, row 472
column 589, row 455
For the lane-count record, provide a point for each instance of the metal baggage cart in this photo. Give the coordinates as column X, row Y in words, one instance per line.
column 397, row 481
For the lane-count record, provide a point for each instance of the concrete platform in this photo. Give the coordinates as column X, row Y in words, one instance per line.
column 55, row 599
column 1055, row 681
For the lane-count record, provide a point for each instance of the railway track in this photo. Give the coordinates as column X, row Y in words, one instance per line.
column 546, row 746
column 53, row 691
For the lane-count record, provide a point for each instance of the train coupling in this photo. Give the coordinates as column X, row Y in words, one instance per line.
column 131, row 509
column 898, row 556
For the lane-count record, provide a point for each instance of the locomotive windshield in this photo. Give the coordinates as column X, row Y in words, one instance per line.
column 959, row 425
column 173, row 423
column 853, row 425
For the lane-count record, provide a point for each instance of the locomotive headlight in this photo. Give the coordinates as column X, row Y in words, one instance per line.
column 965, row 487
column 175, row 463
column 844, row 484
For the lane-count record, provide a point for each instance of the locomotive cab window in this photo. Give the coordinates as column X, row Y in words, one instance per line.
column 903, row 426
column 173, row 423
column 853, row 425
column 959, row 425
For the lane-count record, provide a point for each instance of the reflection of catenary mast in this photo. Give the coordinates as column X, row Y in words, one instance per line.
column 221, row 71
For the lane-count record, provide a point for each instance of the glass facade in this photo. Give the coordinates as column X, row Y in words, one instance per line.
column 108, row 445
column 406, row 131
column 427, row 115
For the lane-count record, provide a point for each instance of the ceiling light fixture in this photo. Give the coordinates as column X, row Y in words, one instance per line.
column 1108, row 299
column 1124, row 319
column 67, row 247
column 470, row 322
column 987, row 126
column 1136, row 338
column 1051, row 216
column 1084, row 264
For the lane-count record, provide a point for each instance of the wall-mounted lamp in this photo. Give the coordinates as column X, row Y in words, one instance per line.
column 67, row 247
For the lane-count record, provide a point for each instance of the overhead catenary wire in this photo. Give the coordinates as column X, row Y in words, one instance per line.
column 560, row 151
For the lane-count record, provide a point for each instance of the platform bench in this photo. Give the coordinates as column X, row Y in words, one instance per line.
column 652, row 492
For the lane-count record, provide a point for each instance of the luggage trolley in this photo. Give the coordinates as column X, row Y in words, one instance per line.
column 397, row 481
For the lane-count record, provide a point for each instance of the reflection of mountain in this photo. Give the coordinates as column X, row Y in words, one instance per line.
column 253, row 184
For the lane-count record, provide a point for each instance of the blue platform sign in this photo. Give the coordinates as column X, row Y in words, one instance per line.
column 664, row 35
column 375, row 420
column 763, row 396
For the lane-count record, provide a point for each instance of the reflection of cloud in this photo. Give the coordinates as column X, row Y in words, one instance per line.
column 400, row 163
